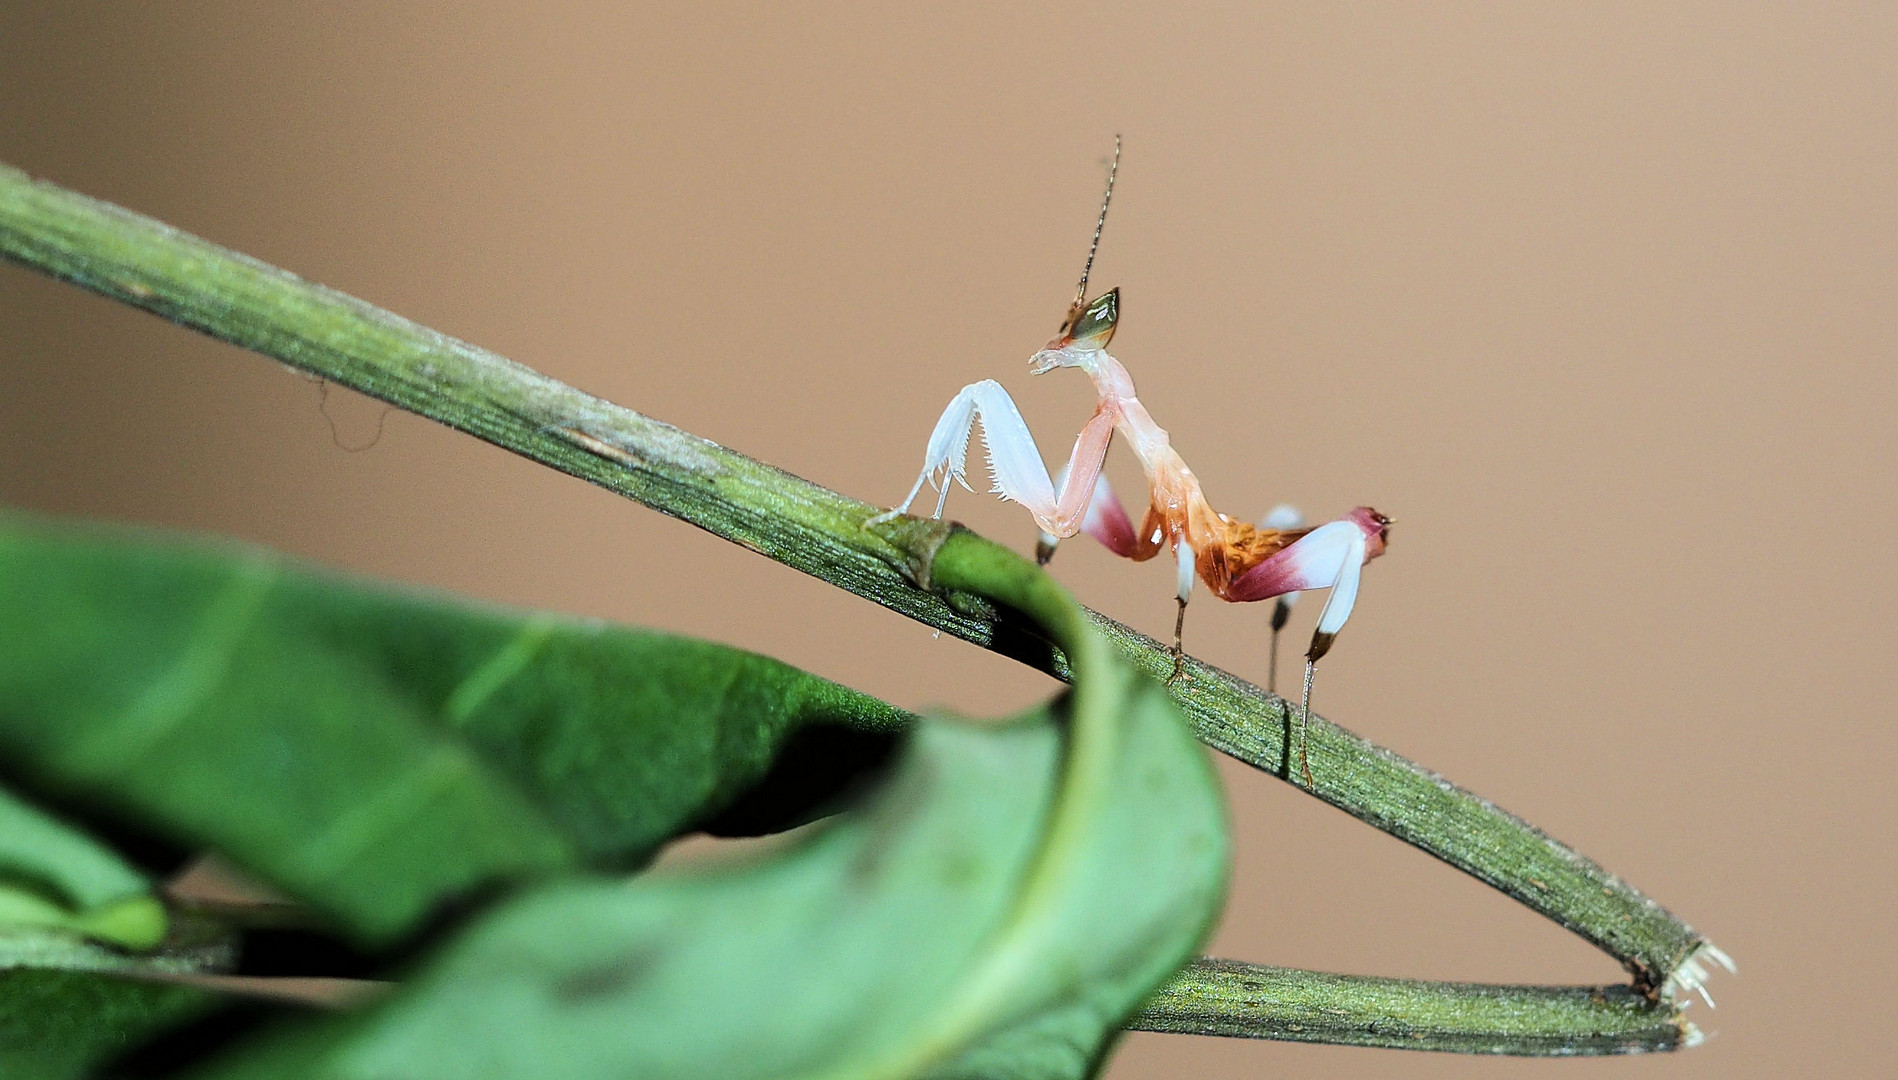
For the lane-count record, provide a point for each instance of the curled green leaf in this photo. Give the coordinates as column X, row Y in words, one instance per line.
column 997, row 906
column 375, row 751
column 54, row 875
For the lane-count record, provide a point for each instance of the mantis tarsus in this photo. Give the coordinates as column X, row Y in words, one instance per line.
column 1237, row 561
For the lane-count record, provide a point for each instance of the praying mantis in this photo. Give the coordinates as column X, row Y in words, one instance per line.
column 1237, row 561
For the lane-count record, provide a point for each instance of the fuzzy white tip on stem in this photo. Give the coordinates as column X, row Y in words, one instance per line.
column 1691, row 977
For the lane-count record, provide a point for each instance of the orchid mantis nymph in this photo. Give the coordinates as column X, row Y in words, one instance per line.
column 1237, row 561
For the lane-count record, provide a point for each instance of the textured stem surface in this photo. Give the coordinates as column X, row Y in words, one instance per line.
column 1225, row 997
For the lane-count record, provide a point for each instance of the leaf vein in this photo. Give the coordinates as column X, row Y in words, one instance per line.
column 120, row 743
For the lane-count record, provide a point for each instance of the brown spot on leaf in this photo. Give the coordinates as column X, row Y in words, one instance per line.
column 604, row 980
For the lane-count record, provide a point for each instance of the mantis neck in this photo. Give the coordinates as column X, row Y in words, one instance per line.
column 1177, row 501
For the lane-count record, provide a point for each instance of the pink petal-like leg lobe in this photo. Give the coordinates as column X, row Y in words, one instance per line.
column 1107, row 521
column 1312, row 563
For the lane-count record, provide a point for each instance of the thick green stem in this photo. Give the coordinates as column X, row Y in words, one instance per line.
column 229, row 296
column 1224, row 997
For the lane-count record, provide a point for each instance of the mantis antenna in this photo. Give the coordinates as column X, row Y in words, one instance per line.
column 1080, row 292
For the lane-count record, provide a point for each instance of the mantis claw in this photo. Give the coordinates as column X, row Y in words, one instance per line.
column 1044, row 547
column 1179, row 661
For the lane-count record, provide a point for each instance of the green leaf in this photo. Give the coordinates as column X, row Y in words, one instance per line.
column 58, row 1024
column 996, row 908
column 376, row 751
column 54, row 875
column 67, row 1003
column 869, row 950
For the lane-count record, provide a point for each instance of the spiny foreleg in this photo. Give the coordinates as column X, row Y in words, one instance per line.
column 1106, row 520
column 1015, row 464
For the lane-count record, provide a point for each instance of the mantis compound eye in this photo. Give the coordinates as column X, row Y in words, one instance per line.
column 1092, row 327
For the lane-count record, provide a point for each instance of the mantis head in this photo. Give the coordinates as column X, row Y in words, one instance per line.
column 1087, row 330
column 1089, row 326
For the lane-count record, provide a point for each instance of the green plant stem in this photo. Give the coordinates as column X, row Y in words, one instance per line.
column 229, row 296
column 1224, row 997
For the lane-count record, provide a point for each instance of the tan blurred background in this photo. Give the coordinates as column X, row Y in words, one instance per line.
column 1595, row 298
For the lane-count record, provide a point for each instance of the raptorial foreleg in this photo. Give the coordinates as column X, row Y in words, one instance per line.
column 1015, row 464
column 1104, row 519
column 944, row 459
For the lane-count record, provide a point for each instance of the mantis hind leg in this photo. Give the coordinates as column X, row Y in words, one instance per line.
column 1184, row 564
column 1304, row 723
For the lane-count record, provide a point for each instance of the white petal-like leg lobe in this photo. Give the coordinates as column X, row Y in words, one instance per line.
column 1344, row 590
column 1015, row 462
column 1344, row 595
column 1313, row 562
column 949, row 441
column 946, row 454
column 1014, row 459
